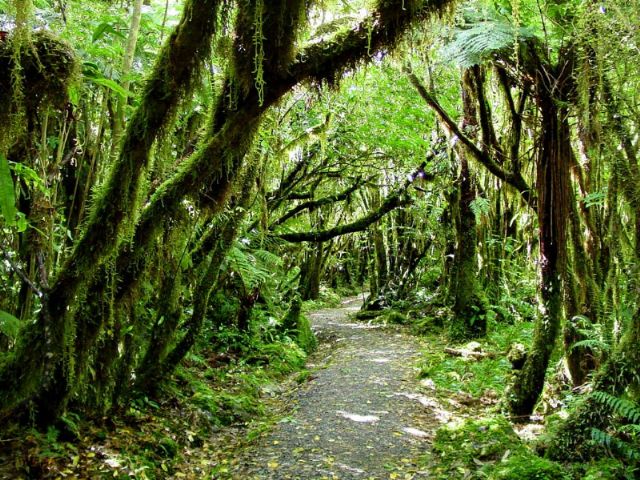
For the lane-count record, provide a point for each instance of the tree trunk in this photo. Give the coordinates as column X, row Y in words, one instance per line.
column 469, row 303
column 552, row 169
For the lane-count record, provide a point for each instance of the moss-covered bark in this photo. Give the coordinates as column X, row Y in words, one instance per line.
column 207, row 176
column 392, row 202
column 552, row 169
column 469, row 302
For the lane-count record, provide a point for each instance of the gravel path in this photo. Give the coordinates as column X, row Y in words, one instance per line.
column 359, row 417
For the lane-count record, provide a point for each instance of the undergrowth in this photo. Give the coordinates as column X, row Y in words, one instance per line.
column 155, row 439
column 450, row 373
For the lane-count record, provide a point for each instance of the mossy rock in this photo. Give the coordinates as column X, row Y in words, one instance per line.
column 485, row 440
column 367, row 315
column 306, row 339
column 167, row 448
column 608, row 469
column 528, row 466
column 395, row 317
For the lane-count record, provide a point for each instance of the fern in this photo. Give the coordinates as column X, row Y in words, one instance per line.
column 480, row 208
column 611, row 442
column 625, row 408
column 593, row 344
column 255, row 267
column 474, row 45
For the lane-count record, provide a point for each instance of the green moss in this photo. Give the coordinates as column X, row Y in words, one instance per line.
column 485, row 440
column 368, row 314
column 528, row 466
column 395, row 317
column 608, row 469
column 488, row 448
column 472, row 376
column 306, row 338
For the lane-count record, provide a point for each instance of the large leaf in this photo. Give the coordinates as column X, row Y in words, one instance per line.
column 9, row 325
column 103, row 29
column 7, row 194
column 111, row 85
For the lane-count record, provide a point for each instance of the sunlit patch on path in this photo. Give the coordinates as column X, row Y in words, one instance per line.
column 358, row 418
column 363, row 415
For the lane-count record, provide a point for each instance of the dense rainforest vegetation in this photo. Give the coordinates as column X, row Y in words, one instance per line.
column 181, row 182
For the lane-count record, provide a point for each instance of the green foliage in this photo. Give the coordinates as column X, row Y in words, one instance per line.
column 457, row 374
column 528, row 467
column 608, row 469
column 476, row 43
column 9, row 325
column 7, row 195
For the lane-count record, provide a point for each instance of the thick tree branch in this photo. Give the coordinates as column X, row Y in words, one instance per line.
column 313, row 204
column 391, row 203
column 514, row 179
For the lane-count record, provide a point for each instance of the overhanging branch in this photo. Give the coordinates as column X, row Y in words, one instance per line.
column 514, row 179
column 391, row 203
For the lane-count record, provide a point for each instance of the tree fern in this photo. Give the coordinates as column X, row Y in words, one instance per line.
column 255, row 267
column 478, row 43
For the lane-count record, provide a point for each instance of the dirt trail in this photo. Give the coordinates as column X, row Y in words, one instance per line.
column 360, row 416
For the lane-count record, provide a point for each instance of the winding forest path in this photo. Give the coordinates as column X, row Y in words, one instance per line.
column 360, row 416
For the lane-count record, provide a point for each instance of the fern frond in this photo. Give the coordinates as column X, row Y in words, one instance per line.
column 476, row 44
column 591, row 343
column 480, row 208
column 604, row 439
column 625, row 408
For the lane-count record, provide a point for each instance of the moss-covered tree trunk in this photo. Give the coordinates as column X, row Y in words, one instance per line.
column 552, row 181
column 469, row 302
column 311, row 272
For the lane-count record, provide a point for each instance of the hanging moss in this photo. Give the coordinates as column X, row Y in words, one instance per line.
column 33, row 74
column 267, row 30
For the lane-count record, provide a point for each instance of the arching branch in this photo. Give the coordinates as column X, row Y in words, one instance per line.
column 514, row 179
column 392, row 202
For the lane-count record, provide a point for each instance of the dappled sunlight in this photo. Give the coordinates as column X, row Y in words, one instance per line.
column 380, row 360
column 358, row 418
column 416, row 432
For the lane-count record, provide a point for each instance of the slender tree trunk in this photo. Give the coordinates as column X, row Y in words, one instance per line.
column 127, row 63
column 469, row 303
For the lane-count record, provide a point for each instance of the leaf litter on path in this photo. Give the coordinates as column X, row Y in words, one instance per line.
column 363, row 414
